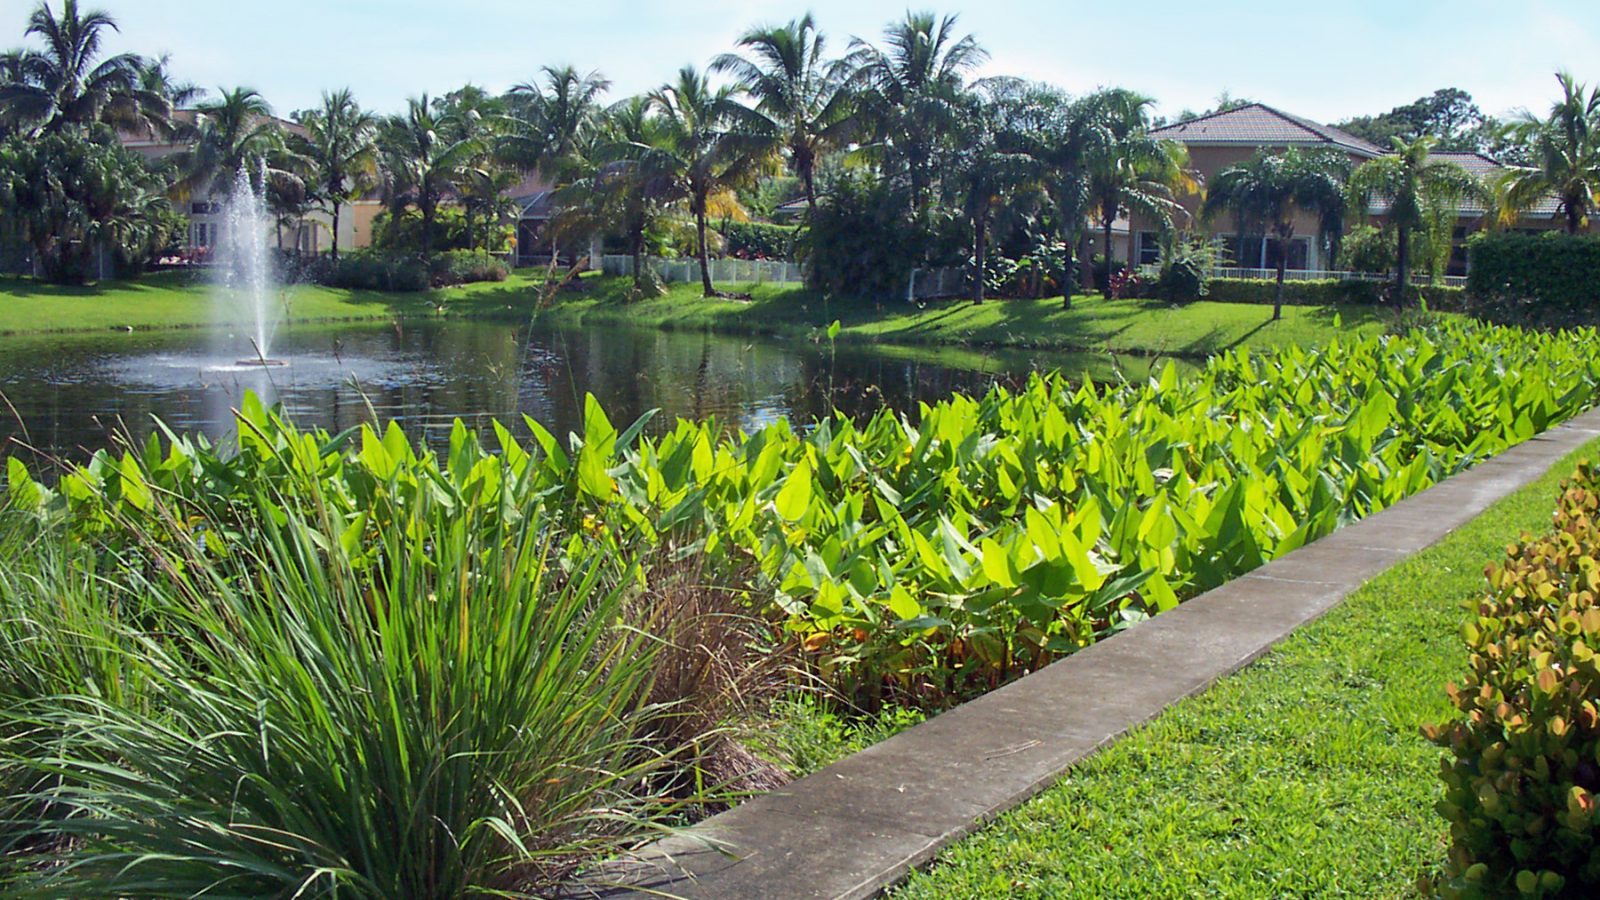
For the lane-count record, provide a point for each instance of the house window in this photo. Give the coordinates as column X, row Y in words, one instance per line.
column 1299, row 254
column 1243, row 251
column 199, row 239
column 1149, row 252
column 202, row 208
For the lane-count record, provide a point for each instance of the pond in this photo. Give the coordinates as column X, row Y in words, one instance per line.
column 66, row 396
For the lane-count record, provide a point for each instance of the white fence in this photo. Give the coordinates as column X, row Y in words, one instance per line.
column 938, row 284
column 732, row 271
column 1314, row 275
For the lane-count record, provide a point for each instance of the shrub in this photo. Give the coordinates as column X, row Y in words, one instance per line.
column 1186, row 266
column 1439, row 297
column 1368, row 249
column 864, row 242
column 1545, row 279
column 759, row 240
column 369, row 270
column 464, row 267
column 1524, row 764
column 403, row 233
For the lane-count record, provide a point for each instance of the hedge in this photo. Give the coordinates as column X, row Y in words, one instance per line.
column 1326, row 292
column 1521, row 779
column 759, row 240
column 1550, row 279
column 373, row 270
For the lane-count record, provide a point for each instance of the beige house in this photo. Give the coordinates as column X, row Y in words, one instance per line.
column 1223, row 139
column 310, row 235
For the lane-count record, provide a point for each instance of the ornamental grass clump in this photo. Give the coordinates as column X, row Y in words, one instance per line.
column 1524, row 766
column 407, row 697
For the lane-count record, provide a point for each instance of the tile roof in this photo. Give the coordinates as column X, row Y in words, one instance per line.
column 1257, row 123
column 1487, row 168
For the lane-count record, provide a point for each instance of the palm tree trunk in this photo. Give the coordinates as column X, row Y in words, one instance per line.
column 1574, row 216
column 808, row 177
column 1105, row 289
column 427, row 228
column 637, row 247
column 979, row 246
column 334, row 250
column 705, row 255
column 1283, row 265
column 1402, row 267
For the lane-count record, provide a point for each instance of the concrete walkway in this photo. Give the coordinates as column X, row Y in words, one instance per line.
column 858, row 826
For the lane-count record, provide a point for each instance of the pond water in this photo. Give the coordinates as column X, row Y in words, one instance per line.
column 66, row 396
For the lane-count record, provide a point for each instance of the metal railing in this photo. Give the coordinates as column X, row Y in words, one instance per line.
column 1253, row 274
column 734, row 271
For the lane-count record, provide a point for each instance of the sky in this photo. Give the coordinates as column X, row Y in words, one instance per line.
column 1325, row 61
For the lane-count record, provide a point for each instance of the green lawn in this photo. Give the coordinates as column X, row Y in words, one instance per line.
column 1141, row 326
column 183, row 300
column 1302, row 776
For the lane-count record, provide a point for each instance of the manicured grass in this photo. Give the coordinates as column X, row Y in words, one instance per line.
column 1093, row 323
column 1302, row 776
column 185, row 300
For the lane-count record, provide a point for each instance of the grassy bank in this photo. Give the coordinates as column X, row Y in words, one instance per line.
column 1304, row 775
column 181, row 300
column 185, row 300
column 1140, row 326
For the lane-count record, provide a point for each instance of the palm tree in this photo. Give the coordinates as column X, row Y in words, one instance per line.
column 1268, row 191
column 341, row 145
column 67, row 84
column 989, row 169
column 1422, row 193
column 1062, row 135
column 234, row 133
column 1566, row 158
column 424, row 156
column 907, row 90
column 156, row 80
column 708, row 145
column 622, row 188
column 1128, row 171
column 554, row 125
column 800, row 93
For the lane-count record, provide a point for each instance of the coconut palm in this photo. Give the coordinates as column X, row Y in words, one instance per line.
column 553, row 125
column 341, row 145
column 1128, row 172
column 1267, row 193
column 1566, row 158
column 156, row 80
column 906, row 92
column 68, row 84
column 708, row 145
column 424, row 156
column 797, row 89
column 622, row 189
column 232, row 134
column 1419, row 193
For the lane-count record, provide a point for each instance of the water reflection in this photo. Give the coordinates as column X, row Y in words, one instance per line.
column 72, row 394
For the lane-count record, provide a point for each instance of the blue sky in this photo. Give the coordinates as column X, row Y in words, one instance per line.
column 1326, row 61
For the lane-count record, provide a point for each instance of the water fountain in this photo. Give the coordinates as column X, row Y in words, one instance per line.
column 244, row 268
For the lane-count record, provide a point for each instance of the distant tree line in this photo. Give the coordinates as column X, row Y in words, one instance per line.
column 896, row 154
